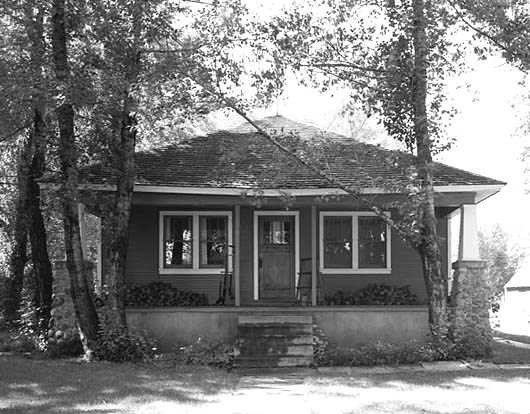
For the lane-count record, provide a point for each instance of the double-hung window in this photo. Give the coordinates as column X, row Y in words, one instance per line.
column 354, row 242
column 194, row 241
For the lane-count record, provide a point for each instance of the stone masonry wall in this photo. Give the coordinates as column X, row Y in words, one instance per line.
column 470, row 327
column 63, row 334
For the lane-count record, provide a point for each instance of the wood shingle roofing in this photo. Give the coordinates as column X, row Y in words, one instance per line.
column 243, row 159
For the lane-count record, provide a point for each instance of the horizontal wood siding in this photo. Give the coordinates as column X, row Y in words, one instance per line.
column 142, row 260
column 142, row 257
column 246, row 256
column 406, row 269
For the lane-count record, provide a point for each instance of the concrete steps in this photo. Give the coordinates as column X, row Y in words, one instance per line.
column 274, row 340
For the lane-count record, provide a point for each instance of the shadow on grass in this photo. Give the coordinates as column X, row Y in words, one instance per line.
column 52, row 386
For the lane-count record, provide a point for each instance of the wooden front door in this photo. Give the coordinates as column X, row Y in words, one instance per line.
column 276, row 256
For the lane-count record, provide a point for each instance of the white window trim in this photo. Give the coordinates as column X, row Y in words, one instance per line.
column 296, row 215
column 355, row 245
column 195, row 269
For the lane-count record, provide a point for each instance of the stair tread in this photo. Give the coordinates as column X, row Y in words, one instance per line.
column 274, row 319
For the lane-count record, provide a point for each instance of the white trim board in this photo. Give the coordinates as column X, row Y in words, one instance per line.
column 482, row 191
column 257, row 214
column 354, row 269
column 195, row 269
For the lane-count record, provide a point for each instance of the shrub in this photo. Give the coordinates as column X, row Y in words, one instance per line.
column 163, row 294
column 119, row 344
column 376, row 294
column 201, row 352
column 383, row 353
column 320, row 346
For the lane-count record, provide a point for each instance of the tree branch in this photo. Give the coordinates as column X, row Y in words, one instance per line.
column 15, row 132
column 344, row 65
column 321, row 173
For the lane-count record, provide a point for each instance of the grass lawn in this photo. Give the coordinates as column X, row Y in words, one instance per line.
column 64, row 386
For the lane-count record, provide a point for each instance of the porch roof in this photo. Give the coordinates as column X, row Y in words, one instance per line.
column 242, row 159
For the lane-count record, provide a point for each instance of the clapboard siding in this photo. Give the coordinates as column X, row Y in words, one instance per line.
column 406, row 269
column 142, row 256
column 142, row 259
column 246, row 256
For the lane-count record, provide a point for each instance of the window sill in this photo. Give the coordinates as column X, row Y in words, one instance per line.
column 368, row 271
column 205, row 271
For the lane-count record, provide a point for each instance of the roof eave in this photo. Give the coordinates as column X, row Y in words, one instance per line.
column 481, row 191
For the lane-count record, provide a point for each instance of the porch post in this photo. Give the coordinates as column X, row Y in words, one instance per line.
column 313, row 256
column 237, row 238
column 468, row 249
column 469, row 306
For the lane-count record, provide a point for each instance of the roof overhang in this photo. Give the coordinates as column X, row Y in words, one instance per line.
column 481, row 192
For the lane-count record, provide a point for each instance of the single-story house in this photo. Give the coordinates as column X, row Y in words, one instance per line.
column 230, row 202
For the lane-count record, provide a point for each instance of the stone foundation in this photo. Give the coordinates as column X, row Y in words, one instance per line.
column 470, row 326
column 63, row 334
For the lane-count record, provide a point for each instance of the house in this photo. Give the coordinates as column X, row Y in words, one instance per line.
column 292, row 238
column 515, row 306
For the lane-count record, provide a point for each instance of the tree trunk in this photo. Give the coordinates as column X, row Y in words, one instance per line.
column 120, row 216
column 124, row 158
column 429, row 246
column 39, row 250
column 18, row 259
column 85, row 311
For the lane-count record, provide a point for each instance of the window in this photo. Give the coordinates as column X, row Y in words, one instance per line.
column 194, row 242
column 276, row 231
column 354, row 242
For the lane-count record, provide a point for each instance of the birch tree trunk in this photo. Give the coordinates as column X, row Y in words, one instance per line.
column 429, row 246
column 19, row 258
column 85, row 311
column 37, row 232
column 124, row 158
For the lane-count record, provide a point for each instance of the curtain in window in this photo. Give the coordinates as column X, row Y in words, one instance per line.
column 178, row 232
column 372, row 242
column 337, row 242
column 213, row 237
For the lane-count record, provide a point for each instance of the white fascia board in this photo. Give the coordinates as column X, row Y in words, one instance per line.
column 482, row 191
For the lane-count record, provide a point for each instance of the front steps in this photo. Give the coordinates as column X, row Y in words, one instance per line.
column 274, row 340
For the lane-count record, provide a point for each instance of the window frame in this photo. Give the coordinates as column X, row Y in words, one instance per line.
column 354, row 269
column 195, row 237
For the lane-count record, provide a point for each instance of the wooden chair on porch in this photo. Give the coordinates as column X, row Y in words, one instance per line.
column 304, row 287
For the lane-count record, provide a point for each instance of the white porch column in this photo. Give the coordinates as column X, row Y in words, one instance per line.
column 468, row 248
column 236, row 251
column 313, row 256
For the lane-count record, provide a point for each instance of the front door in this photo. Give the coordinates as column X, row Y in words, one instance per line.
column 276, row 256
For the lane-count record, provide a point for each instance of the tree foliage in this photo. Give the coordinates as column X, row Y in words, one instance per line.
column 503, row 259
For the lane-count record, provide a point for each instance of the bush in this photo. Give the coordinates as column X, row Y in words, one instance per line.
column 320, row 346
column 201, row 352
column 119, row 344
column 163, row 294
column 376, row 294
column 382, row 353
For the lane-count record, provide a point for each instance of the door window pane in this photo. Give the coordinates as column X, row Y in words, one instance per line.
column 337, row 242
column 372, row 242
column 276, row 231
column 178, row 241
column 213, row 236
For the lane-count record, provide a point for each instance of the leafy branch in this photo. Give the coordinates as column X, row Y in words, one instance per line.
column 320, row 172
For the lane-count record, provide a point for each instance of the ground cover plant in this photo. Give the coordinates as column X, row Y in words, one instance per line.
column 163, row 294
column 375, row 294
